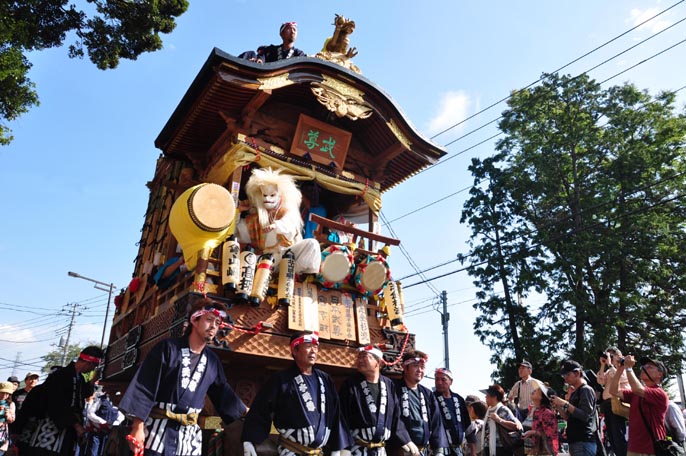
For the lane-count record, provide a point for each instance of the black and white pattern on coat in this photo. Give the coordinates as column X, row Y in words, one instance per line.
column 369, row 421
column 287, row 401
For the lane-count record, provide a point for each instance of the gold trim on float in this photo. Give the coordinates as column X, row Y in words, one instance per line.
column 275, row 82
column 399, row 134
column 343, row 88
column 341, row 98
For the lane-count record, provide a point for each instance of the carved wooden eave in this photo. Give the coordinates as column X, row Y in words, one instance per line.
column 229, row 94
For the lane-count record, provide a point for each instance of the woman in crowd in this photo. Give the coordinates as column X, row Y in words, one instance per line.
column 472, row 438
column 6, row 414
column 542, row 438
column 497, row 415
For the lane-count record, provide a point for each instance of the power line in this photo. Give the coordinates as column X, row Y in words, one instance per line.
column 414, row 211
column 556, row 71
column 414, row 313
column 429, row 205
column 577, row 76
column 429, row 269
column 584, row 211
column 413, row 304
column 542, row 243
column 645, row 60
column 404, row 251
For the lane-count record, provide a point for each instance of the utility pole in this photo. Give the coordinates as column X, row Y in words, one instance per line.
column 71, row 324
column 445, row 317
column 16, row 363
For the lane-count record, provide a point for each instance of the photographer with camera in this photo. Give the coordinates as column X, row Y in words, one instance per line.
column 616, row 424
column 578, row 410
column 648, row 401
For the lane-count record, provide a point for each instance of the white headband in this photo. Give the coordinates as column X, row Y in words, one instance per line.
column 373, row 350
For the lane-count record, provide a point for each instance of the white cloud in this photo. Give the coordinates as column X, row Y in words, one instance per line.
column 654, row 26
column 12, row 333
column 453, row 108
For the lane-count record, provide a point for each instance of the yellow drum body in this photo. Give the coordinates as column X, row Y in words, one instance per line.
column 201, row 219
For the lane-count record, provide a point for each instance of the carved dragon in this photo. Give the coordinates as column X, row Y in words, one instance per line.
column 340, row 42
column 337, row 47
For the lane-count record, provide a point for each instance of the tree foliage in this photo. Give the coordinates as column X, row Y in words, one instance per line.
column 110, row 31
column 58, row 357
column 582, row 202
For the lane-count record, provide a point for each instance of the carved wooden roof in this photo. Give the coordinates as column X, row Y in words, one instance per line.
column 228, row 93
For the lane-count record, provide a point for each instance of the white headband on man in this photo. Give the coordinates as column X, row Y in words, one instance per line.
column 373, row 350
column 206, row 310
column 416, row 360
column 286, row 24
column 306, row 338
column 444, row 371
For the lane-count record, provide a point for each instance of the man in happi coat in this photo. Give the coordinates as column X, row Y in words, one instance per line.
column 419, row 409
column 371, row 408
column 53, row 411
column 453, row 410
column 168, row 391
column 275, row 52
column 303, row 405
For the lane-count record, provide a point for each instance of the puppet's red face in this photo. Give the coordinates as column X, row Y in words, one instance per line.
column 271, row 197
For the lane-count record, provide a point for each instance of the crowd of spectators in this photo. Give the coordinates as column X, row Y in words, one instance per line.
column 626, row 413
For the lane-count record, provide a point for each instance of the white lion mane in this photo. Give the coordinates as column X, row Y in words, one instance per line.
column 288, row 192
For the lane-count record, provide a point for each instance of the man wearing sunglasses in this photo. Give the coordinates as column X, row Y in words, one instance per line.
column 648, row 401
column 168, row 391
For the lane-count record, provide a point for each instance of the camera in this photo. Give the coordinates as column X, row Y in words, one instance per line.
column 621, row 361
column 607, row 356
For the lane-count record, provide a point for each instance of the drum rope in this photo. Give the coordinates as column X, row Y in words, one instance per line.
column 254, row 331
column 200, row 286
column 402, row 350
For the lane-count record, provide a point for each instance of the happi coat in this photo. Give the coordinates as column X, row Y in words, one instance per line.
column 310, row 418
column 455, row 418
column 171, row 379
column 426, row 416
column 53, row 411
column 369, row 420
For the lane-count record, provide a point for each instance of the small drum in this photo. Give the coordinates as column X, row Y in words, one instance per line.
column 200, row 219
column 371, row 275
column 337, row 266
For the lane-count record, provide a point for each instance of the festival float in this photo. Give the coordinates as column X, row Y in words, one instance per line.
column 251, row 152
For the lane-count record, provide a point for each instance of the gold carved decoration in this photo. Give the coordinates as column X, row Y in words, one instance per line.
column 275, row 82
column 341, row 99
column 399, row 134
column 337, row 47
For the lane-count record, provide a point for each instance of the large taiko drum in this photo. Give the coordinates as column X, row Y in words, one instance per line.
column 371, row 275
column 201, row 218
column 337, row 266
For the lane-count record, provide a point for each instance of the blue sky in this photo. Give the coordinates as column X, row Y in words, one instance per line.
column 73, row 181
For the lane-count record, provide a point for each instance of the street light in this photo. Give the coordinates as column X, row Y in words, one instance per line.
column 109, row 289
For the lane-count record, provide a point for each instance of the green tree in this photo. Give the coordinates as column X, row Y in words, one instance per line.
column 115, row 30
column 58, row 357
column 505, row 269
column 595, row 180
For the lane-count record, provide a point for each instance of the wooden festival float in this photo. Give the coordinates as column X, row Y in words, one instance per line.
column 318, row 119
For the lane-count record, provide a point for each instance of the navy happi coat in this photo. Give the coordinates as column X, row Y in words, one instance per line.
column 369, row 420
column 174, row 379
column 289, row 401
